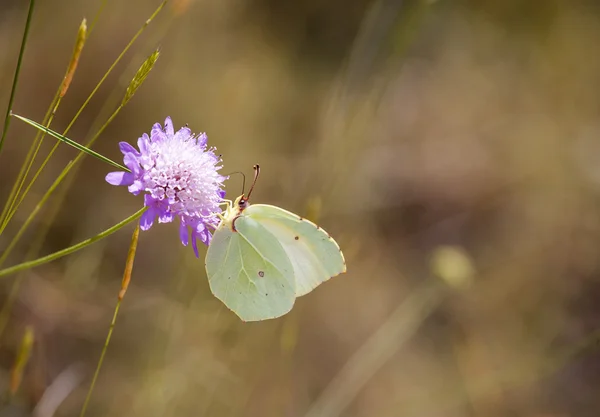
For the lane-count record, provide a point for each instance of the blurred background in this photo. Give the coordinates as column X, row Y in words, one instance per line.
column 452, row 148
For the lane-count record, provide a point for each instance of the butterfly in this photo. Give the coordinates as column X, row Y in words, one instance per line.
column 261, row 257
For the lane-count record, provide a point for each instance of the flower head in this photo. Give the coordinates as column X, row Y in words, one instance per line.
column 179, row 177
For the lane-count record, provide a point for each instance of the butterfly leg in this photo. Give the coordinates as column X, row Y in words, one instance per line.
column 228, row 203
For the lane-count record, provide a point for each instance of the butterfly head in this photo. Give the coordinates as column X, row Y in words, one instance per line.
column 241, row 203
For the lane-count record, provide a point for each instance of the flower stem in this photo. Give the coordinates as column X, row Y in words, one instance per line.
column 71, row 249
column 124, row 286
column 17, row 73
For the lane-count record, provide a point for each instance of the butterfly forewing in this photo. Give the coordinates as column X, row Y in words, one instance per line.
column 314, row 255
column 249, row 271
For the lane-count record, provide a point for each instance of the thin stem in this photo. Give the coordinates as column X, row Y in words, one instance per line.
column 31, row 216
column 114, row 64
column 124, row 285
column 102, row 355
column 11, row 206
column 71, row 249
column 24, row 171
column 97, row 16
column 28, row 163
column 71, row 142
column 48, row 118
column 17, row 73
column 82, row 35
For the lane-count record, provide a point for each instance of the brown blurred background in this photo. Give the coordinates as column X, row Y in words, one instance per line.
column 451, row 147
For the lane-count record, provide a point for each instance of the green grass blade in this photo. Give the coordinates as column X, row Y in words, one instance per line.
column 67, row 251
column 71, row 142
column 17, row 73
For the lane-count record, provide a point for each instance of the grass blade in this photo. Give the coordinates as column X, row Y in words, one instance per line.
column 17, row 72
column 71, row 249
column 71, row 142
column 114, row 64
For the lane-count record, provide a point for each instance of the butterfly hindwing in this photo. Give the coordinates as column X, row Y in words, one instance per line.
column 314, row 255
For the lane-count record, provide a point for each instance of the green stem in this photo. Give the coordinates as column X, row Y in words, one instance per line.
column 124, row 285
column 31, row 216
column 97, row 16
column 71, row 142
column 17, row 73
column 10, row 208
column 114, row 64
column 24, row 171
column 72, row 249
column 102, row 355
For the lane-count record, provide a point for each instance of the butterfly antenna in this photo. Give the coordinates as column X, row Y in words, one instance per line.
column 256, row 172
column 243, row 178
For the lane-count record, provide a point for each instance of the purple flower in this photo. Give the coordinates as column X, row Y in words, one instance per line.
column 178, row 174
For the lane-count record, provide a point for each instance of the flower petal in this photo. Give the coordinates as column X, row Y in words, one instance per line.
column 157, row 134
column 195, row 244
column 183, row 134
column 184, row 233
column 128, row 148
column 202, row 139
column 144, row 144
column 207, row 237
column 132, row 163
column 165, row 217
column 169, row 127
column 147, row 219
column 202, row 233
column 136, row 187
column 119, row 178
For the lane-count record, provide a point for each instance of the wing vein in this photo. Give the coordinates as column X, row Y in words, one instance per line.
column 244, row 267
